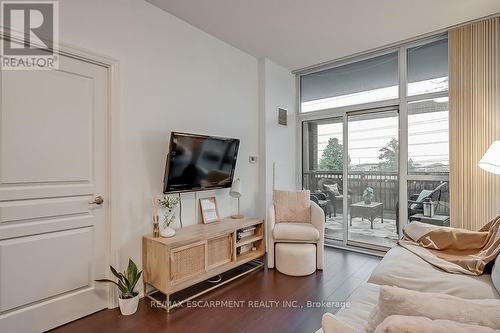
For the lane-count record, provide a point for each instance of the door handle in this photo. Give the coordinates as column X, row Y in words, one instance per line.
column 97, row 201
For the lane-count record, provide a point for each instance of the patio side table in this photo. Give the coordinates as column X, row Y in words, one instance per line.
column 439, row 220
column 370, row 211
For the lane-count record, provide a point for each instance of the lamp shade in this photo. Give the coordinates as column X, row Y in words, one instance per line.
column 491, row 159
column 235, row 191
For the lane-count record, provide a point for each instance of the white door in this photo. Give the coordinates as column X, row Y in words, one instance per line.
column 52, row 165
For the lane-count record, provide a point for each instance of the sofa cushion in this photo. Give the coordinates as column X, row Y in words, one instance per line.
column 495, row 274
column 399, row 301
column 331, row 324
column 292, row 206
column 403, row 269
column 305, row 232
column 405, row 324
column 359, row 306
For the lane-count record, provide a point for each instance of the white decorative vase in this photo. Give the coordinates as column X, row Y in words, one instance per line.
column 167, row 232
column 169, row 215
column 128, row 306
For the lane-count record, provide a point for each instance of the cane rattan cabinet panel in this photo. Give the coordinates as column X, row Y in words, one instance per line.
column 187, row 261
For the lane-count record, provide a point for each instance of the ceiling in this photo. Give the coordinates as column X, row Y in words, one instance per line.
column 301, row 33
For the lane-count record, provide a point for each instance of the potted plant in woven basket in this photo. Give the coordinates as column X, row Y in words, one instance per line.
column 128, row 298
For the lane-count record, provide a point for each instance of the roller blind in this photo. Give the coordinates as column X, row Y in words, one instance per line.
column 362, row 76
column 428, row 68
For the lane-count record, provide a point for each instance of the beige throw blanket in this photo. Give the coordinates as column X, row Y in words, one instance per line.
column 454, row 250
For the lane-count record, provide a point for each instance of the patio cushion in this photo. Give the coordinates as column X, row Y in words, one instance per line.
column 334, row 188
column 305, row 232
column 421, row 197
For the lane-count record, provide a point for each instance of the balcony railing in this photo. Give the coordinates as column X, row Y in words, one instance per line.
column 384, row 183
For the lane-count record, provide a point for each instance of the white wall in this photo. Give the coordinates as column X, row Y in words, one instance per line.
column 172, row 77
column 277, row 143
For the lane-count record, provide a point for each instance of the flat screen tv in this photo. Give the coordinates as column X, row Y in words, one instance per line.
column 199, row 162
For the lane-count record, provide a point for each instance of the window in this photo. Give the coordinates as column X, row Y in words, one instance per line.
column 374, row 79
column 428, row 68
column 367, row 137
column 428, row 135
column 428, row 143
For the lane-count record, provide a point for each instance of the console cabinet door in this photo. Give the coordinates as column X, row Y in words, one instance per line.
column 219, row 251
column 188, row 261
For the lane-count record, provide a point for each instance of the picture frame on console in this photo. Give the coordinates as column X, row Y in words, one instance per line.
column 209, row 210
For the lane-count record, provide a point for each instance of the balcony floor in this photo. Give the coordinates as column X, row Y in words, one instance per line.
column 382, row 234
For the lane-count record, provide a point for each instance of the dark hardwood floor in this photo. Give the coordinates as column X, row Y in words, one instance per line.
column 344, row 272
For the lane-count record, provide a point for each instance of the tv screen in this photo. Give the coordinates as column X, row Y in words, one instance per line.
column 199, row 162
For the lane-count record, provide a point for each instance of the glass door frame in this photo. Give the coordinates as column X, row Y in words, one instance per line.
column 344, row 114
column 345, row 173
column 399, row 104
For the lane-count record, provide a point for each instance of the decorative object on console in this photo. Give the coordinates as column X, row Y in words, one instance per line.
column 156, row 225
column 235, row 192
column 128, row 298
column 491, row 159
column 209, row 210
column 244, row 249
column 167, row 209
column 246, row 232
column 368, row 195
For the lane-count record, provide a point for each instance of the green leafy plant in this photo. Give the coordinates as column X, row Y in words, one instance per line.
column 169, row 203
column 126, row 280
column 368, row 194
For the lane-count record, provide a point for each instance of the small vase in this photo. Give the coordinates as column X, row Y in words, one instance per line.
column 368, row 201
column 128, row 306
column 167, row 232
column 167, row 218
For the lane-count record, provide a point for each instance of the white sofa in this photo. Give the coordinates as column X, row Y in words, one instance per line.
column 403, row 269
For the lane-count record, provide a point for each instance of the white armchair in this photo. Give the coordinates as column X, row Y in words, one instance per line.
column 296, row 233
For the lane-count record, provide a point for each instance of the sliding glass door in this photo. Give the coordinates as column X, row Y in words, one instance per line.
column 369, row 166
column 372, row 178
column 323, row 170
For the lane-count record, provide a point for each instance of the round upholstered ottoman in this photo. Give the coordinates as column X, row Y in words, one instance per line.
column 296, row 259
